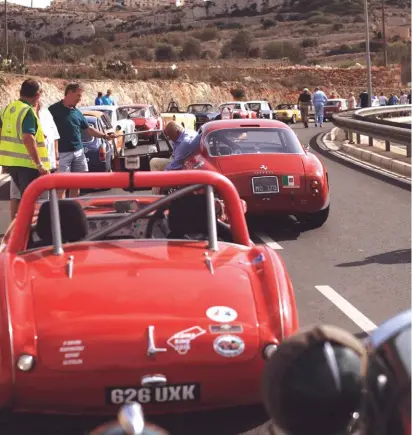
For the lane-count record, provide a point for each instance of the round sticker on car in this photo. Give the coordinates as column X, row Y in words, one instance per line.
column 221, row 314
column 229, row 346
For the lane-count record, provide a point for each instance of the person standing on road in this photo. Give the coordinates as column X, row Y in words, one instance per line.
column 304, row 103
column 23, row 152
column 351, row 101
column 51, row 139
column 383, row 101
column 108, row 100
column 318, row 100
column 403, row 98
column 70, row 122
column 364, row 99
column 99, row 99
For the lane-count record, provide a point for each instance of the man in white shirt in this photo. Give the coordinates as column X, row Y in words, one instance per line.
column 383, row 101
column 52, row 137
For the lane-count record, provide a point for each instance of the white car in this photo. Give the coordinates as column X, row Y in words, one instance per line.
column 264, row 107
column 240, row 107
column 120, row 120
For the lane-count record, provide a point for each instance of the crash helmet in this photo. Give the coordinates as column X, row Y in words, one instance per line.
column 387, row 408
column 313, row 383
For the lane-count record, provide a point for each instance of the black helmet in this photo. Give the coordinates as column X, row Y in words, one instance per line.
column 388, row 381
column 313, row 383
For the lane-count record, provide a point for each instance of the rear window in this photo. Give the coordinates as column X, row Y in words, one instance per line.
column 231, row 106
column 332, row 103
column 283, row 107
column 254, row 106
column 199, row 108
column 252, row 141
column 86, row 138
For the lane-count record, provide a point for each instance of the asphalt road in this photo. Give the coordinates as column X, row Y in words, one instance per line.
column 354, row 272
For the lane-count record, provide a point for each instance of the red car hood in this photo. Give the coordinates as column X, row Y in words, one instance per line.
column 280, row 164
column 100, row 317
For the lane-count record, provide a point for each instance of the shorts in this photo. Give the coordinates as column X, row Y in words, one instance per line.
column 73, row 161
column 15, row 192
column 22, row 177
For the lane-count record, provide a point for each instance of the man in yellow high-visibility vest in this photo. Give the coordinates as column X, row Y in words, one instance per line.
column 23, row 152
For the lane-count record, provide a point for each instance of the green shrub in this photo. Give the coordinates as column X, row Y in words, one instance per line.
column 191, row 49
column 238, row 93
column 319, row 19
column 309, row 42
column 165, row 52
column 283, row 49
column 208, row 34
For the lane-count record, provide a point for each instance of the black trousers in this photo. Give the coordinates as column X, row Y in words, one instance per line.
column 21, row 176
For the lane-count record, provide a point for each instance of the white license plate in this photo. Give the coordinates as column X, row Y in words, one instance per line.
column 265, row 185
column 164, row 394
column 132, row 162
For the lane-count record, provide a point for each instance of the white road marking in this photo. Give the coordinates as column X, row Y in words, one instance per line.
column 347, row 308
column 268, row 241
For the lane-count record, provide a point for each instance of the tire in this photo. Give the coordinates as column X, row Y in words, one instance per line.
column 293, row 120
column 316, row 220
column 132, row 143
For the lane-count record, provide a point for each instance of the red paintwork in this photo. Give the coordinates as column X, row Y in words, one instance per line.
column 117, row 290
column 142, row 124
column 243, row 112
column 241, row 168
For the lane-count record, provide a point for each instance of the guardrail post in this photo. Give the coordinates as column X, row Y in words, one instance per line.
column 346, row 135
column 408, row 151
column 358, row 138
column 370, row 141
column 387, row 145
column 351, row 137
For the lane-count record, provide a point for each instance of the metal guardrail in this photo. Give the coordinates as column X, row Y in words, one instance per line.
column 371, row 122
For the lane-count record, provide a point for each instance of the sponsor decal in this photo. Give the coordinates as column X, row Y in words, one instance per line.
column 72, row 350
column 225, row 329
column 221, row 314
column 181, row 340
column 165, row 394
column 229, row 346
column 289, row 181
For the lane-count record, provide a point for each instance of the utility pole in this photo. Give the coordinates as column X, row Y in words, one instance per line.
column 385, row 48
column 6, row 30
column 368, row 55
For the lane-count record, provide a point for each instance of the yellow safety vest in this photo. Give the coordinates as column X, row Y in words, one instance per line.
column 13, row 152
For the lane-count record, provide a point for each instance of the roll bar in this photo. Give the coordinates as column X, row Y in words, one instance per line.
column 122, row 180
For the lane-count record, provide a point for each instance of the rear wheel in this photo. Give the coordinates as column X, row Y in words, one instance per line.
column 316, row 220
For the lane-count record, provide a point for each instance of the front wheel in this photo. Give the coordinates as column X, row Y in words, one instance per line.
column 316, row 220
column 293, row 120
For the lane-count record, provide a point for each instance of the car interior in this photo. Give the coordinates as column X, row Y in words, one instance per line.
column 183, row 218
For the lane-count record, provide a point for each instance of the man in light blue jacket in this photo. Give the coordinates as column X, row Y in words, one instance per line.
column 319, row 99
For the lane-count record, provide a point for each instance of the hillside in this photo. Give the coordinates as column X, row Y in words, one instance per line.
column 281, row 32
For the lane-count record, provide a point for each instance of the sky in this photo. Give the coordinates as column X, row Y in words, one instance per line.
column 36, row 3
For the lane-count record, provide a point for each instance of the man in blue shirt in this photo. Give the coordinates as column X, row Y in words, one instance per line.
column 319, row 99
column 99, row 99
column 108, row 100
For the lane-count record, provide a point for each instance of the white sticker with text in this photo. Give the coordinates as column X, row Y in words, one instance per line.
column 72, row 350
column 181, row 340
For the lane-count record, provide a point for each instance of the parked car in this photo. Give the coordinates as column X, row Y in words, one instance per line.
column 288, row 113
column 99, row 152
column 114, row 299
column 263, row 107
column 334, row 105
column 272, row 171
column 204, row 112
column 239, row 107
column 119, row 118
column 145, row 118
column 173, row 113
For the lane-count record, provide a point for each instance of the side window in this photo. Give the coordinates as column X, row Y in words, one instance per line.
column 246, row 107
column 270, row 106
column 119, row 115
column 106, row 122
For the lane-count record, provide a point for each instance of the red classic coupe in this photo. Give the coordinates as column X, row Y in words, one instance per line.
column 110, row 300
column 145, row 118
column 270, row 168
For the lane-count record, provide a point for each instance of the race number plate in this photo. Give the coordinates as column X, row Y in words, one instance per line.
column 265, row 185
column 165, row 394
column 132, row 162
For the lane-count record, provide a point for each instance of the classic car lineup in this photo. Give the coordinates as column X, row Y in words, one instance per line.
column 195, row 291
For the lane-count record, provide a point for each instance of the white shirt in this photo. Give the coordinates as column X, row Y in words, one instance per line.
column 51, row 133
column 383, row 100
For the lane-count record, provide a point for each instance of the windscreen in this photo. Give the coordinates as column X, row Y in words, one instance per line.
column 200, row 108
column 86, row 138
column 109, row 113
column 137, row 113
column 231, row 106
column 332, row 103
column 254, row 106
column 249, row 140
column 283, row 107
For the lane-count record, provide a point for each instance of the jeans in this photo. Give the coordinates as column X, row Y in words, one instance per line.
column 319, row 109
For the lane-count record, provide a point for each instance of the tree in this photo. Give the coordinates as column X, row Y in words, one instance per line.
column 191, row 49
column 165, row 52
column 100, row 47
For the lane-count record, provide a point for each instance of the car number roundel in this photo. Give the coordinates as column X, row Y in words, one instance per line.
column 221, row 314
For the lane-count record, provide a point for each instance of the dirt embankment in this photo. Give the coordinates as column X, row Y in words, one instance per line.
column 277, row 85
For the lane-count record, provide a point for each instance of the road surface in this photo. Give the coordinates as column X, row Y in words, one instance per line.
column 354, row 272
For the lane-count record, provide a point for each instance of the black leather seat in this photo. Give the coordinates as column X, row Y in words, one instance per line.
column 188, row 219
column 73, row 223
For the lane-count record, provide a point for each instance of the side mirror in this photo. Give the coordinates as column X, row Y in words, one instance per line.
column 118, row 128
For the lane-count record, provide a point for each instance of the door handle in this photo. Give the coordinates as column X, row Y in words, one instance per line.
column 157, row 380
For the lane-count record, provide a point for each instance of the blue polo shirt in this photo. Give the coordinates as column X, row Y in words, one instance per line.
column 69, row 122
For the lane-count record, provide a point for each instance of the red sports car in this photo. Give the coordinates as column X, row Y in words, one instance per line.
column 270, row 168
column 145, row 118
column 109, row 300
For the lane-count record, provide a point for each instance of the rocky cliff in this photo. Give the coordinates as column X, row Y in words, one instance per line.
column 159, row 92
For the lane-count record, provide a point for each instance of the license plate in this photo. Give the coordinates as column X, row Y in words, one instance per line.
column 165, row 394
column 132, row 162
column 265, row 185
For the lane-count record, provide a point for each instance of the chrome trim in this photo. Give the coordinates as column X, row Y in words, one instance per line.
column 55, row 223
column 209, row 263
column 157, row 380
column 70, row 266
column 211, row 218
column 152, row 349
